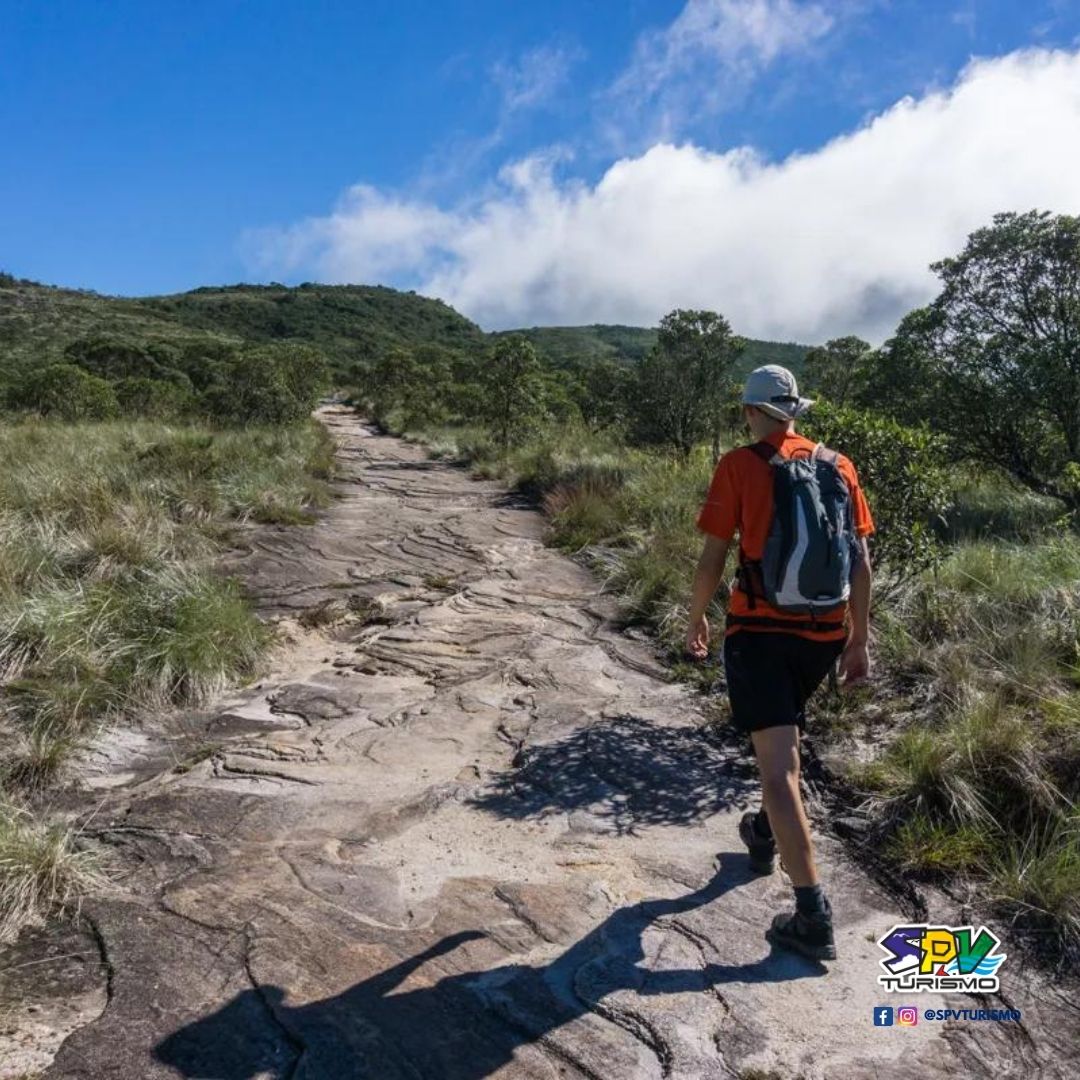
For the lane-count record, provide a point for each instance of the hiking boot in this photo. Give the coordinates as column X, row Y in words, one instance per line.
column 809, row 935
column 762, row 848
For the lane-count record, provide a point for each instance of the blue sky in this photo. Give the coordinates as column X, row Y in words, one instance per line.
column 152, row 147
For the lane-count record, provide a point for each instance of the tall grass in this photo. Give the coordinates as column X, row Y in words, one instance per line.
column 109, row 600
column 984, row 784
column 108, row 597
column 42, row 873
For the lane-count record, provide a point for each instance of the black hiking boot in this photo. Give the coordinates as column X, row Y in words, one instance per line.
column 809, row 935
column 762, row 848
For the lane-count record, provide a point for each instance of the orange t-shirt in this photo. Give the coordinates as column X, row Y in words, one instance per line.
column 740, row 501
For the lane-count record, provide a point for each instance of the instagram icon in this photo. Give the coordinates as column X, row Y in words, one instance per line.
column 907, row 1016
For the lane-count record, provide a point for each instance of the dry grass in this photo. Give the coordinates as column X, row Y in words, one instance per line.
column 42, row 871
column 109, row 601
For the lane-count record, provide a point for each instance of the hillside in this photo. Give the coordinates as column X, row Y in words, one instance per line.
column 347, row 322
column 566, row 344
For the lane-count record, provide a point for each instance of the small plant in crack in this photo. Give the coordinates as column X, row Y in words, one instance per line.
column 200, row 754
column 324, row 613
column 438, row 581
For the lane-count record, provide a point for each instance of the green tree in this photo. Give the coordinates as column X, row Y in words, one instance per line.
column 1003, row 339
column 511, row 389
column 838, row 369
column 387, row 377
column 64, row 391
column 606, row 392
column 561, row 394
column 903, row 377
column 683, row 383
column 425, row 393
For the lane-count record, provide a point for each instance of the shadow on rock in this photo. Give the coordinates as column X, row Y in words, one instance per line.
column 465, row 1026
column 626, row 772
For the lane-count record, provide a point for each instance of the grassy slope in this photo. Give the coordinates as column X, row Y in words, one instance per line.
column 347, row 322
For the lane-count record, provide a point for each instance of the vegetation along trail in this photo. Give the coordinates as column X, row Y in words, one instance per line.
column 467, row 828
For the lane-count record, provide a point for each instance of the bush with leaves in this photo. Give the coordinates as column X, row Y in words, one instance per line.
column 64, row 392
column 153, row 399
column 267, row 385
column 118, row 358
column 902, row 470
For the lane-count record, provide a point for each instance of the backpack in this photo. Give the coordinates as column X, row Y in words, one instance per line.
column 811, row 546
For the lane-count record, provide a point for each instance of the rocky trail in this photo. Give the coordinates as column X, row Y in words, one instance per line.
column 466, row 828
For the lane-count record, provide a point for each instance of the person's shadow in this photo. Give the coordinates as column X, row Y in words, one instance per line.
column 465, row 1026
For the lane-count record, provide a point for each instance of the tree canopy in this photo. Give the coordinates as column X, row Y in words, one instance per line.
column 684, row 383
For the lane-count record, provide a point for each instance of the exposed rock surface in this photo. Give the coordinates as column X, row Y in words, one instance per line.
column 469, row 830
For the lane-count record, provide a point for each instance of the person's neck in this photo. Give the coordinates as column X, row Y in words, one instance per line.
column 764, row 430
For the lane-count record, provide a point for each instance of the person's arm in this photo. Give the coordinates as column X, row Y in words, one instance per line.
column 707, row 578
column 855, row 659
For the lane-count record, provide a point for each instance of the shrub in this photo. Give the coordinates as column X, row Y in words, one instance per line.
column 266, row 386
column 152, row 399
column 64, row 392
column 902, row 470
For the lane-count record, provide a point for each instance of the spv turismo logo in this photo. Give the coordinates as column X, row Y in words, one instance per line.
column 923, row 957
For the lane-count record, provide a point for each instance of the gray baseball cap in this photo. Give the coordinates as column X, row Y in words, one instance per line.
column 773, row 389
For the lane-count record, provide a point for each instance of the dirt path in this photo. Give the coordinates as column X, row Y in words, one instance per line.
column 468, row 830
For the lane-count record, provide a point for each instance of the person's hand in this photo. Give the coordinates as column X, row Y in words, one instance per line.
column 854, row 667
column 697, row 638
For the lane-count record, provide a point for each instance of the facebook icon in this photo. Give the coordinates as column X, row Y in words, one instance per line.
column 883, row 1016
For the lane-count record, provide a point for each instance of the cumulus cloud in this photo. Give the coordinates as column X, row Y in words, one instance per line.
column 699, row 64
column 824, row 243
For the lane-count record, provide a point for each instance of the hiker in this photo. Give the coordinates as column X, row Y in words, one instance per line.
column 800, row 602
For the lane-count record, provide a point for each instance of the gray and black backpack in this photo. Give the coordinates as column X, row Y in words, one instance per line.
column 811, row 546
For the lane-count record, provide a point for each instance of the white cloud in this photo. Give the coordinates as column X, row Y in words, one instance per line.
column 700, row 64
column 533, row 78
column 824, row 243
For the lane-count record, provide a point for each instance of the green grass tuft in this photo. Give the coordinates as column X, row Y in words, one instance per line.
column 42, row 873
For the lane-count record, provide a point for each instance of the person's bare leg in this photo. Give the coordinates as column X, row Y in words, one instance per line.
column 777, row 751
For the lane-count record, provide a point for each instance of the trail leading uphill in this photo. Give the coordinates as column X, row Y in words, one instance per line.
column 467, row 829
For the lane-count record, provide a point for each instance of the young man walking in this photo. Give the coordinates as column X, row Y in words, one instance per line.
column 789, row 619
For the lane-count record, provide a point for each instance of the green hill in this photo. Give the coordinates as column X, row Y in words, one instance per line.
column 563, row 345
column 346, row 322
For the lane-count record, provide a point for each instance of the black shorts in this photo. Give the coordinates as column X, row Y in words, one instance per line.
column 770, row 677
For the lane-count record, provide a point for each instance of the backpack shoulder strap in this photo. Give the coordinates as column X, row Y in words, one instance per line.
column 764, row 450
column 823, row 453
